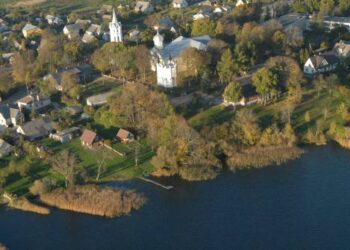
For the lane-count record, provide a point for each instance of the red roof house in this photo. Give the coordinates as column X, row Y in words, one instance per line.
column 125, row 136
column 88, row 138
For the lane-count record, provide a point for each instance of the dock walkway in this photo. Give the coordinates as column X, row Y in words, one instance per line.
column 155, row 183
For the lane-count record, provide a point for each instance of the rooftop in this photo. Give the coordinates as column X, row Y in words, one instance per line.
column 88, row 137
column 175, row 48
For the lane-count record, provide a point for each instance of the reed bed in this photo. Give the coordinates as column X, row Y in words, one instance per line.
column 95, row 200
column 25, row 205
column 258, row 157
column 3, row 247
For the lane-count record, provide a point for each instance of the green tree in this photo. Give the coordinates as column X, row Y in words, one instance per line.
column 226, row 67
column 203, row 27
column 303, row 55
column 245, row 55
column 326, row 7
column 233, row 92
column 73, row 51
column 266, row 82
column 70, row 86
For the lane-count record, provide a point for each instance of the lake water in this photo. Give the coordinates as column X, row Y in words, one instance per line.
column 304, row 204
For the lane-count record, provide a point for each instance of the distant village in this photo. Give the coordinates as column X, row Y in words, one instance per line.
column 191, row 51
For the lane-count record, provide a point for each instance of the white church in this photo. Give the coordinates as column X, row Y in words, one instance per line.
column 164, row 58
column 115, row 29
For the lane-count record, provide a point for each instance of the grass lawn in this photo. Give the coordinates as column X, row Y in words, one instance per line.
column 117, row 167
column 316, row 105
column 211, row 116
column 100, row 85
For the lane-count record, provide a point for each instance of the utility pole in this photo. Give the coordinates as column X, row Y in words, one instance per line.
column 137, row 152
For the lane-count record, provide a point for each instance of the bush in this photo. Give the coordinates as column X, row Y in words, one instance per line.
column 39, row 187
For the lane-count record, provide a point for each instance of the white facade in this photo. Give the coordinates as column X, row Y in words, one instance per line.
column 319, row 65
column 33, row 102
column 309, row 67
column 166, row 74
column 115, row 29
column 4, row 121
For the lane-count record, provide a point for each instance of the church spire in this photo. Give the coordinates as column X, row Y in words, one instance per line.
column 114, row 19
column 115, row 29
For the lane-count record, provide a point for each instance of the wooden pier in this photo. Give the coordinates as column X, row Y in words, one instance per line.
column 155, row 183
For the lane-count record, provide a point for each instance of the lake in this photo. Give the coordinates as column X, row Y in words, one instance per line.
column 304, row 204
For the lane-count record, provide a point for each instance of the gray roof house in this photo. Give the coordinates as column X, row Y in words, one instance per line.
column 66, row 134
column 144, row 7
column 54, row 20
column 92, row 33
column 98, row 100
column 321, row 64
column 36, row 129
column 5, row 148
column 10, row 116
column 73, row 30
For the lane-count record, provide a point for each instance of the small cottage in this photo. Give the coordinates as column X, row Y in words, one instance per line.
column 30, row 30
column 65, row 135
column 98, row 100
column 125, row 136
column 144, row 7
column 33, row 101
column 89, row 138
column 321, row 64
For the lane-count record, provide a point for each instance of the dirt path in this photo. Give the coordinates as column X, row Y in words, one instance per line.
column 25, row 3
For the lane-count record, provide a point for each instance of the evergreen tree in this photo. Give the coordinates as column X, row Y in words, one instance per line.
column 232, row 92
column 225, row 67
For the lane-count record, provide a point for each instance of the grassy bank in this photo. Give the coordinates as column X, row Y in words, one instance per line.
column 95, row 200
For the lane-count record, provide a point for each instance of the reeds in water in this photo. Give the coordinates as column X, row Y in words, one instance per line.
column 95, row 200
